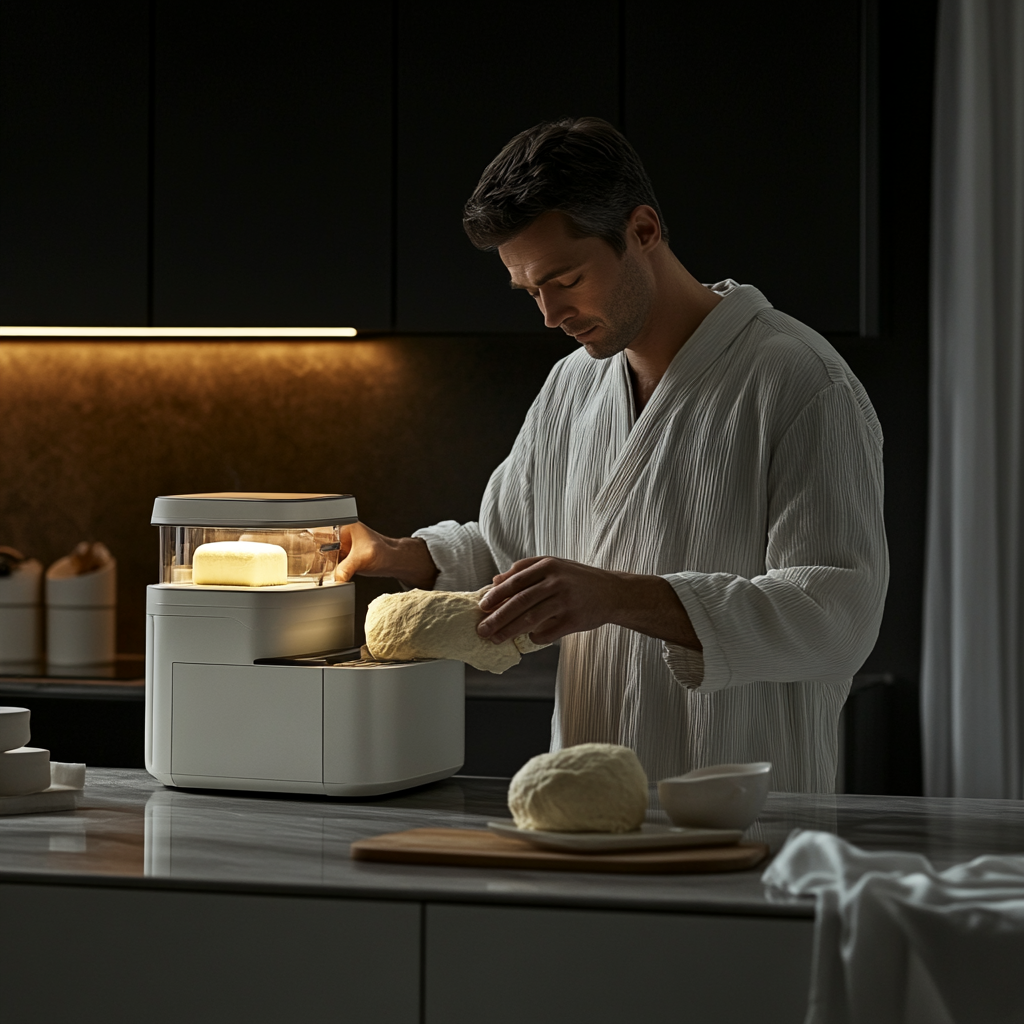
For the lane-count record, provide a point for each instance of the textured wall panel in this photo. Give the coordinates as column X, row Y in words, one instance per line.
column 92, row 432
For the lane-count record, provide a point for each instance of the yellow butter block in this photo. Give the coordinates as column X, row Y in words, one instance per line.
column 239, row 563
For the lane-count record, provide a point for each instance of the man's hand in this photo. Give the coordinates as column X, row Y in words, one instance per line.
column 368, row 553
column 550, row 597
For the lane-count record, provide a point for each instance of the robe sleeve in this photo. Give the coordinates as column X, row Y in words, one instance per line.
column 469, row 555
column 815, row 612
column 463, row 559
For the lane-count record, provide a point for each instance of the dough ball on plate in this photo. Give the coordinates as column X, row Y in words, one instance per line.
column 593, row 787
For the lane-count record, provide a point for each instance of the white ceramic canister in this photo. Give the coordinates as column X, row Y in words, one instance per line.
column 81, row 614
column 15, row 730
column 21, row 614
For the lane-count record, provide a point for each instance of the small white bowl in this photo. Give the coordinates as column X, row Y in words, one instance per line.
column 720, row 796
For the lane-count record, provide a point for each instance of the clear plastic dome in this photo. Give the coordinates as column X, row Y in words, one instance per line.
column 312, row 551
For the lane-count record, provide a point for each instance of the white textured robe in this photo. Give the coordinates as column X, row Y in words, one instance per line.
column 752, row 482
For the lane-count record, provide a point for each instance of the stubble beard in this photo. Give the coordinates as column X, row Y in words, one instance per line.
column 627, row 311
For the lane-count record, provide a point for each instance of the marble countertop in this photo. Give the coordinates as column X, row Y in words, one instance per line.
column 131, row 831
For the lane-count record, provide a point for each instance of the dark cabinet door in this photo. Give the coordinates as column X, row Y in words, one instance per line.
column 470, row 76
column 272, row 164
column 748, row 120
column 73, row 162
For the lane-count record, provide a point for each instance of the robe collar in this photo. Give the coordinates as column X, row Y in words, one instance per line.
column 636, row 436
column 713, row 336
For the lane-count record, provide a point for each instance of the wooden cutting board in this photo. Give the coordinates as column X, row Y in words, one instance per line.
column 479, row 849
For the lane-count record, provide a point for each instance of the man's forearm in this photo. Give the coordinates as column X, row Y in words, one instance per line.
column 410, row 562
column 550, row 597
column 649, row 605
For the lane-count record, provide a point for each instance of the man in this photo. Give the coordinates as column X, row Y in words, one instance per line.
column 693, row 506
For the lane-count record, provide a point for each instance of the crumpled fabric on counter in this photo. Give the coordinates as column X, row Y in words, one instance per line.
column 68, row 775
column 897, row 942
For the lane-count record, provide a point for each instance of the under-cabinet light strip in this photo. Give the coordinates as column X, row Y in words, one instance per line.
column 177, row 332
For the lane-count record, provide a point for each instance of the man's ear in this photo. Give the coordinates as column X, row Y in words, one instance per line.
column 645, row 225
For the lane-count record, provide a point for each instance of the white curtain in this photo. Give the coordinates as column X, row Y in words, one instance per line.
column 973, row 657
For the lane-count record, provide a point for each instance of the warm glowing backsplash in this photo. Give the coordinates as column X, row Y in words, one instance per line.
column 92, row 431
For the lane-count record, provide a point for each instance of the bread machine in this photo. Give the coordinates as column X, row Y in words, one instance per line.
column 260, row 687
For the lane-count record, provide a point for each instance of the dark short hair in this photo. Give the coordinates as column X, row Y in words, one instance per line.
column 579, row 166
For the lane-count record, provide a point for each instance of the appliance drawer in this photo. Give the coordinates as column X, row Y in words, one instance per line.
column 247, row 722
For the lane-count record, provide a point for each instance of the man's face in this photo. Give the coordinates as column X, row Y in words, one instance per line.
column 581, row 284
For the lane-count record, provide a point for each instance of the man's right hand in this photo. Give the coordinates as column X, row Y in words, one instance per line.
column 368, row 553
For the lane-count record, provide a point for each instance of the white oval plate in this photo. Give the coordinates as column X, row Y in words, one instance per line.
column 648, row 837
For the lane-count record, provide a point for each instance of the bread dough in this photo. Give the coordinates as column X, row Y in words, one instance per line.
column 592, row 787
column 237, row 563
column 439, row 624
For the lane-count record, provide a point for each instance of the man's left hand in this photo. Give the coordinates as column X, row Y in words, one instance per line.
column 551, row 597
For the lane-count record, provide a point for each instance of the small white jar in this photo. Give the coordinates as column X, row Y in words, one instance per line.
column 81, row 614
column 21, row 614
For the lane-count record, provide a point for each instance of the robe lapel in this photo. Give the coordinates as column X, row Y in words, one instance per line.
column 627, row 468
column 623, row 413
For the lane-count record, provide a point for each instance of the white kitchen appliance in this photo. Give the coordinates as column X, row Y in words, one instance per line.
column 260, row 687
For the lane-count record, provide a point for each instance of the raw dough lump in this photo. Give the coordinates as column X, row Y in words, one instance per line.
column 438, row 624
column 592, row 787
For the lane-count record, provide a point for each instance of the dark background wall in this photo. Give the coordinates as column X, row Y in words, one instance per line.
column 894, row 367
column 247, row 163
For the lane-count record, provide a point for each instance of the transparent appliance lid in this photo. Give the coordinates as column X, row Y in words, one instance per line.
column 310, row 553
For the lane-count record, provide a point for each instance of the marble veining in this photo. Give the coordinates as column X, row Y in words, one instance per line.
column 130, row 830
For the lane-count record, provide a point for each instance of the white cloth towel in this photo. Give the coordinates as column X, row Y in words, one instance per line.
column 897, row 942
column 64, row 773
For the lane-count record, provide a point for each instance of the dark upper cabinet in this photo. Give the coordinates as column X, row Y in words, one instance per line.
column 749, row 122
column 470, row 76
column 306, row 164
column 272, row 164
column 73, row 162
